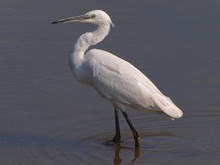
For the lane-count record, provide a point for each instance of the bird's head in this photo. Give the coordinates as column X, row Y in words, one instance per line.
column 97, row 17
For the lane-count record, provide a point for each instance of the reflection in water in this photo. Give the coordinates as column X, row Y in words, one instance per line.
column 136, row 154
column 118, row 160
column 118, row 148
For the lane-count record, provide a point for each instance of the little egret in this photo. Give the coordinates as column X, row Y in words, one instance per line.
column 114, row 78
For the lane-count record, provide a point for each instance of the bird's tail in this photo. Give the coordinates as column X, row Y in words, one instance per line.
column 168, row 107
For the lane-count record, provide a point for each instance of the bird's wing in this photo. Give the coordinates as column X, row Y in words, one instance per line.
column 118, row 80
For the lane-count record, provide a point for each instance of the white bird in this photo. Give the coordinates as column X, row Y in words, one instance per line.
column 114, row 78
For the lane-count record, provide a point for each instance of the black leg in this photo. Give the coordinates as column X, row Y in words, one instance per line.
column 118, row 134
column 135, row 134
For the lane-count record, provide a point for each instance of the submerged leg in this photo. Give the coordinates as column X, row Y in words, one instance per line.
column 135, row 134
column 117, row 128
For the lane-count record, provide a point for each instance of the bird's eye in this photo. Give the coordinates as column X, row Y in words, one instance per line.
column 93, row 16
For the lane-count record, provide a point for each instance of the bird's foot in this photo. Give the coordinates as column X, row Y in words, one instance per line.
column 117, row 138
column 137, row 142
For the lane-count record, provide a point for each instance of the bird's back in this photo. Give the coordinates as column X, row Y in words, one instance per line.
column 123, row 84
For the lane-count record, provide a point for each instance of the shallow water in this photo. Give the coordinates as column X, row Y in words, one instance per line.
column 49, row 118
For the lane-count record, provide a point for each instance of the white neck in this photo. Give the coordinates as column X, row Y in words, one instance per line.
column 84, row 42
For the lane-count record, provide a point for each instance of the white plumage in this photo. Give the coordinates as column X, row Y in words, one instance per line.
column 114, row 78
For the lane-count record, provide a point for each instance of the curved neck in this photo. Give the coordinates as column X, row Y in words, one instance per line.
column 84, row 42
